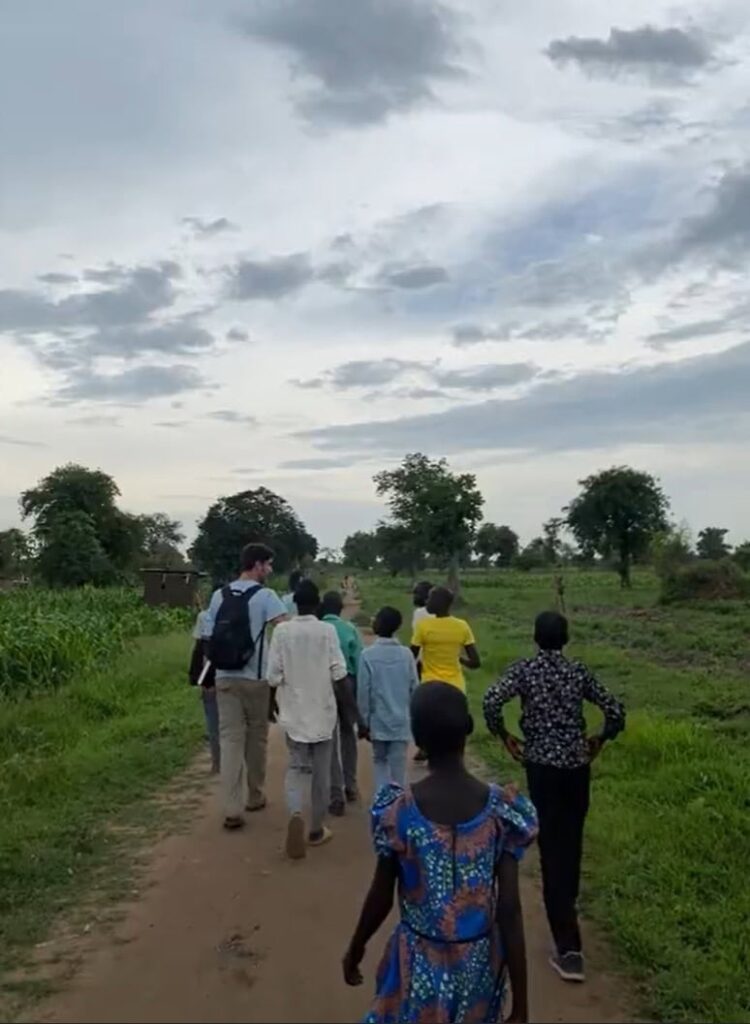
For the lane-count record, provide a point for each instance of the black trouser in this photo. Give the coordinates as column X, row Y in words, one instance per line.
column 561, row 797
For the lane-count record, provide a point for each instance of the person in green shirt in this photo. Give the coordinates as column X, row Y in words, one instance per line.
column 344, row 761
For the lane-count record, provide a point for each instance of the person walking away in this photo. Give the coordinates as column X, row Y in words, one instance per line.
column 202, row 674
column 295, row 578
column 344, row 758
column 420, row 596
column 306, row 668
column 237, row 619
column 452, row 845
column 442, row 644
column 557, row 755
column 386, row 681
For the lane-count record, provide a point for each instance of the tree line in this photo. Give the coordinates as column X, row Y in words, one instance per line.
column 78, row 534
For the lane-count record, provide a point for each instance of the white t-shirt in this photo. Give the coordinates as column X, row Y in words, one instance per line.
column 419, row 614
column 304, row 661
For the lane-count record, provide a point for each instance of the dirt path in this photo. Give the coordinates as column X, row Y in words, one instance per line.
column 226, row 930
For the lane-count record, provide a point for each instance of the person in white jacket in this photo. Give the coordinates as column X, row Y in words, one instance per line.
column 305, row 664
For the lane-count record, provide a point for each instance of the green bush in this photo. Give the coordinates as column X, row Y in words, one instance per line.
column 705, row 581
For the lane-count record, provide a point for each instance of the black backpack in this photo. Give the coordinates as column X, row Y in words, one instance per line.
column 232, row 644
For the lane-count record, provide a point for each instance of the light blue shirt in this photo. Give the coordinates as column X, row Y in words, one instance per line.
column 291, row 607
column 264, row 607
column 386, row 680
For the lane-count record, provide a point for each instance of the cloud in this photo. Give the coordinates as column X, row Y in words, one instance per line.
column 209, row 228
column 363, row 373
column 174, row 337
column 686, row 332
column 420, row 276
column 363, row 60
column 171, row 424
column 232, row 416
column 20, row 442
column 317, row 463
column 237, row 334
column 269, row 279
column 96, row 420
column 138, row 292
column 55, row 277
column 658, row 53
column 486, row 377
column 703, row 398
column 725, row 225
column 135, row 385
column 474, row 334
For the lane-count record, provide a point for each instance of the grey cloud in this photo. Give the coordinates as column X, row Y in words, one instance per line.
column 726, row 224
column 209, row 228
column 171, row 424
column 135, row 385
column 19, row 442
column 269, row 279
column 237, row 334
column 474, row 334
column 320, row 463
column 696, row 398
column 95, row 420
column 139, row 291
column 175, row 337
column 486, row 377
column 55, row 277
column 363, row 373
column 365, row 60
column 655, row 52
column 418, row 394
column 686, row 332
column 105, row 275
column 232, row 416
column 421, row 276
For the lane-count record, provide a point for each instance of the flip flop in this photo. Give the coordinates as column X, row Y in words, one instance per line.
column 232, row 824
column 320, row 838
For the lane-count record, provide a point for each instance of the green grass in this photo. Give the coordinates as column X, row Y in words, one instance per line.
column 70, row 762
column 669, row 830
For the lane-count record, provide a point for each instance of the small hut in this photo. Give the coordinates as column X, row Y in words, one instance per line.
column 171, row 588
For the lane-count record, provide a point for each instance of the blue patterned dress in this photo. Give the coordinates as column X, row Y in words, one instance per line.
column 443, row 963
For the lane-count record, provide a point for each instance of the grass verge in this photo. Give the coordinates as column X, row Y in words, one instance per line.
column 70, row 763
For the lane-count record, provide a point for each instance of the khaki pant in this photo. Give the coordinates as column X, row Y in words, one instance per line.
column 243, row 731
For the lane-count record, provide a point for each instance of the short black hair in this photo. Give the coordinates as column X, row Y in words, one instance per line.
column 307, row 597
column 440, row 599
column 551, row 631
column 295, row 578
column 387, row 621
column 254, row 553
column 332, row 603
column 421, row 592
column 440, row 719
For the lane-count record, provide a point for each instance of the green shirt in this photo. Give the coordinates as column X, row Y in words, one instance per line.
column 350, row 641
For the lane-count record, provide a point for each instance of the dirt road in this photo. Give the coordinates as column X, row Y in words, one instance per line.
column 226, row 930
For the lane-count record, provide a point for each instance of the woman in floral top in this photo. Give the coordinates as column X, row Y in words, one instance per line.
column 452, row 845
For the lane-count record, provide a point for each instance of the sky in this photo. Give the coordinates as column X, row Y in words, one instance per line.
column 285, row 242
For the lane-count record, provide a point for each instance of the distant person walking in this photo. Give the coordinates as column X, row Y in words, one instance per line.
column 306, row 668
column 557, row 754
column 295, row 578
column 451, row 845
column 202, row 674
column 344, row 758
column 420, row 596
column 385, row 684
column 236, row 622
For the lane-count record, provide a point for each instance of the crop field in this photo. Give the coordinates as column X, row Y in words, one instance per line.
column 49, row 636
column 669, row 830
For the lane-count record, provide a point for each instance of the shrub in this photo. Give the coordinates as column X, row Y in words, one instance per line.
column 706, row 581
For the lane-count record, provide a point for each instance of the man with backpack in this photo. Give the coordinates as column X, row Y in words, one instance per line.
column 237, row 618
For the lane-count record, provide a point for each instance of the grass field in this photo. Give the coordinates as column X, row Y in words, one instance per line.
column 669, row 831
column 70, row 761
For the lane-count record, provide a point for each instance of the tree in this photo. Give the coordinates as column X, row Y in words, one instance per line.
column 160, row 540
column 15, row 552
column 496, row 542
column 552, row 543
column 360, row 550
column 258, row 515
column 83, row 500
column 618, row 512
column 742, row 555
column 398, row 550
column 670, row 549
column 534, row 556
column 711, row 544
column 439, row 510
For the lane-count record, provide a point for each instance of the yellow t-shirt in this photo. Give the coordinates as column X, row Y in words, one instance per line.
column 442, row 642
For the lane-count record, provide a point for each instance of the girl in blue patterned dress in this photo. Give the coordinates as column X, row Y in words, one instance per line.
column 452, row 845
